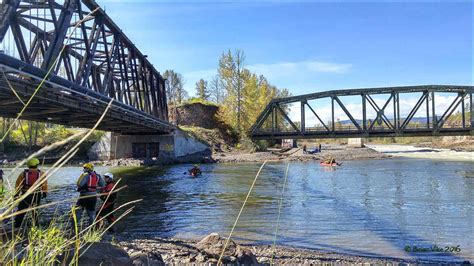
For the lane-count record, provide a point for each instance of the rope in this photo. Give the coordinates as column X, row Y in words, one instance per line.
column 240, row 212
column 46, row 76
column 13, row 90
column 279, row 214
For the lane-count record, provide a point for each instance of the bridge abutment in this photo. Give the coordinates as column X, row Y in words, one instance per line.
column 176, row 147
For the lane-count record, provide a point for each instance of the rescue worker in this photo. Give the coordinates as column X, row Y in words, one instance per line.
column 195, row 171
column 88, row 184
column 331, row 160
column 25, row 180
column 109, row 198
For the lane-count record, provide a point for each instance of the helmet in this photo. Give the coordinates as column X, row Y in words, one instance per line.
column 88, row 166
column 33, row 162
column 109, row 175
column 196, row 165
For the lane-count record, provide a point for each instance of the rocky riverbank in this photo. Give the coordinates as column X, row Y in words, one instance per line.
column 156, row 251
column 339, row 152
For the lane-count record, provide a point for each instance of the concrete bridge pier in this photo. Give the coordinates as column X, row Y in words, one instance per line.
column 176, row 147
column 355, row 142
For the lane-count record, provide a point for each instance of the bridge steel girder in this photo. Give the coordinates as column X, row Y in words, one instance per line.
column 96, row 58
column 395, row 126
column 69, row 103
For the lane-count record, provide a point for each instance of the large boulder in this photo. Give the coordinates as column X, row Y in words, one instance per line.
column 214, row 243
column 104, row 254
column 144, row 259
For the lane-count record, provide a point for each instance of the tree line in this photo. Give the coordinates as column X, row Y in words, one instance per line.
column 240, row 93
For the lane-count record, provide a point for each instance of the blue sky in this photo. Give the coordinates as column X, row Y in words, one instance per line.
column 307, row 46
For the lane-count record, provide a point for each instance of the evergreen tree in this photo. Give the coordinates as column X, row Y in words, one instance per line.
column 202, row 90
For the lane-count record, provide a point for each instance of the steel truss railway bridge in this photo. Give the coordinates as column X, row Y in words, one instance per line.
column 85, row 59
column 377, row 117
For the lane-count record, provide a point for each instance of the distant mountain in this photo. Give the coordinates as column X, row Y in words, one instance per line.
column 413, row 120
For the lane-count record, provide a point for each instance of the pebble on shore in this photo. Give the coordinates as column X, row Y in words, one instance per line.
column 207, row 251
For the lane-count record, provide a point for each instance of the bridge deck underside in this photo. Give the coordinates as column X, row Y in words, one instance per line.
column 66, row 104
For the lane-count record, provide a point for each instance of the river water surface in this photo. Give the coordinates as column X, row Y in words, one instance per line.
column 372, row 208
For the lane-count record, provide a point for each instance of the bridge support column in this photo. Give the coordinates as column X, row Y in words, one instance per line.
column 171, row 148
column 355, row 143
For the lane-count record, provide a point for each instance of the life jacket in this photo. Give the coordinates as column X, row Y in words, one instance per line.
column 195, row 171
column 30, row 177
column 91, row 185
column 107, row 189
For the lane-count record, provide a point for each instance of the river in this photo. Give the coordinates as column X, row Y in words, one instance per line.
column 372, row 208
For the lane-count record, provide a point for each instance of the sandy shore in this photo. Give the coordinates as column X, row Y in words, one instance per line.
column 423, row 152
column 340, row 152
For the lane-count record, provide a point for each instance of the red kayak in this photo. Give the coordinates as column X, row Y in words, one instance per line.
column 329, row 164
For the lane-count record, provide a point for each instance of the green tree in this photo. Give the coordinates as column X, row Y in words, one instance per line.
column 241, row 93
column 202, row 90
column 216, row 90
column 174, row 83
column 175, row 92
column 231, row 72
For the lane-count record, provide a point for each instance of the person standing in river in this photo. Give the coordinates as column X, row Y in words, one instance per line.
column 24, row 182
column 88, row 184
column 108, row 196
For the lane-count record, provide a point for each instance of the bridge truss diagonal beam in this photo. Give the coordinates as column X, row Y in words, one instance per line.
column 435, row 121
column 98, row 58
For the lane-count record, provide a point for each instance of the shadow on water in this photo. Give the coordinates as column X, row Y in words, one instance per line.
column 138, row 182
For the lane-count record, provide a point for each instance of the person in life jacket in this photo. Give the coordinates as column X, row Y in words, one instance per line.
column 24, row 182
column 195, row 171
column 331, row 160
column 88, row 185
column 109, row 198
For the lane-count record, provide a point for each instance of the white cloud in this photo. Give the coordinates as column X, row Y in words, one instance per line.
column 200, row 74
column 292, row 68
column 275, row 71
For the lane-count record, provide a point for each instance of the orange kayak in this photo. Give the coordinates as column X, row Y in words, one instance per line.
column 329, row 164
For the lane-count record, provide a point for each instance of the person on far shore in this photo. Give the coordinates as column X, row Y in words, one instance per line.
column 319, row 147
